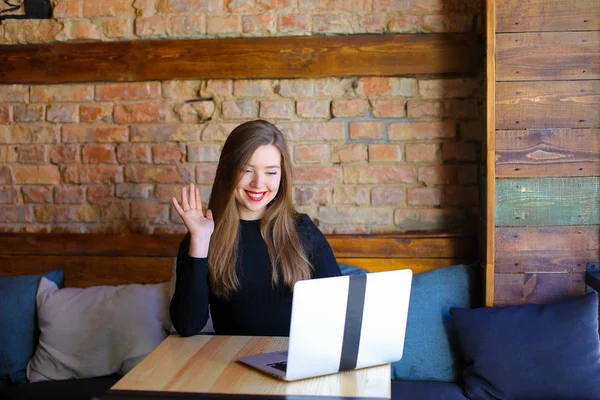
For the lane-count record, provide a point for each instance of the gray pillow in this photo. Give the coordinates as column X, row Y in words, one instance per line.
column 97, row 331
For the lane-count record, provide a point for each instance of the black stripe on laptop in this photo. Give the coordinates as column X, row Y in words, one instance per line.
column 353, row 324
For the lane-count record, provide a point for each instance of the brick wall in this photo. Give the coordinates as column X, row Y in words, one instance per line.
column 371, row 154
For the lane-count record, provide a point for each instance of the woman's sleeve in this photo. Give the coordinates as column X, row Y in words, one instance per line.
column 189, row 305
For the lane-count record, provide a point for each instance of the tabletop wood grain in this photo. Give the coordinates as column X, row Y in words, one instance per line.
column 206, row 363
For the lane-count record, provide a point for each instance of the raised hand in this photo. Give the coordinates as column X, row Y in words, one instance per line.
column 200, row 225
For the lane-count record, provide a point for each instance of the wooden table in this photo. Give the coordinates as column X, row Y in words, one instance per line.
column 205, row 366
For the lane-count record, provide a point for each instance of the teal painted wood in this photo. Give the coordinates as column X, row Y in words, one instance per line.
column 548, row 201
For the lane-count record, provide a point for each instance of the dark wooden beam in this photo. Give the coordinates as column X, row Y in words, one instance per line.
column 241, row 58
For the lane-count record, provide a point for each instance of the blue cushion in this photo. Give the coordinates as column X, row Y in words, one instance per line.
column 403, row 390
column 351, row 269
column 430, row 351
column 549, row 351
column 19, row 330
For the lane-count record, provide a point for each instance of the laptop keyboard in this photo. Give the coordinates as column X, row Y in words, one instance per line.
column 281, row 365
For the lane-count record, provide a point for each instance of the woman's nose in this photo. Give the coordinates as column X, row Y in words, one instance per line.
column 256, row 181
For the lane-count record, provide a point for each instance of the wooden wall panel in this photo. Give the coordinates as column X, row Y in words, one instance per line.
column 547, row 56
column 548, row 201
column 547, row 15
column 560, row 104
column 247, row 58
column 537, row 287
column 547, row 248
column 548, row 152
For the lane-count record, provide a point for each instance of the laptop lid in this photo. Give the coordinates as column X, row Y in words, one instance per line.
column 347, row 322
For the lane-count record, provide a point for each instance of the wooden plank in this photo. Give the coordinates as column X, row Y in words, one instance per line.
column 490, row 171
column 547, row 15
column 537, row 288
column 547, row 248
column 417, row 265
column 85, row 271
column 557, row 104
column 548, row 152
column 248, row 58
column 547, row 56
column 548, row 201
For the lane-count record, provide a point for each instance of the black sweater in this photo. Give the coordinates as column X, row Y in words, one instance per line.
column 256, row 308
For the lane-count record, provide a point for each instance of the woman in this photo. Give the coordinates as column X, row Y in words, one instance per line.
column 244, row 254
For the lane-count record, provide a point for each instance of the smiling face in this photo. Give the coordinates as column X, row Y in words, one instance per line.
column 259, row 182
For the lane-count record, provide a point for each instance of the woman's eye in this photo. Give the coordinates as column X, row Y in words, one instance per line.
column 271, row 173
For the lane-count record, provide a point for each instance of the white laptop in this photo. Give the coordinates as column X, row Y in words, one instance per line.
column 342, row 323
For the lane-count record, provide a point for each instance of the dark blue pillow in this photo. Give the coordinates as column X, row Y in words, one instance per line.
column 19, row 326
column 351, row 269
column 430, row 350
column 549, row 351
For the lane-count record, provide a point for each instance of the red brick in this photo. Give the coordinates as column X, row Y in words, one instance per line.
column 422, row 130
column 258, row 24
column 96, row 112
column 448, row 88
column 390, row 5
column 181, row 90
column 155, row 25
column 100, row 194
column 35, row 175
column 427, row 5
column 311, row 153
column 167, row 154
column 98, row 154
column 253, row 88
column 373, row 23
column 317, row 175
column 425, row 108
column 16, row 214
column 384, row 152
column 453, row 22
column 28, row 112
column 158, row 174
column 294, row 23
column 14, row 93
column 277, row 109
column 380, row 174
column 37, row 194
column 69, row 194
column 313, row 108
column 468, row 174
column 429, row 219
column 128, row 91
column 425, row 196
column 114, row 210
column 347, row 153
column 331, row 23
column 32, row 154
column 133, row 153
column 63, row 154
column 351, row 195
column 214, row 131
column 313, row 131
column 36, row 133
column 61, row 93
column 393, row 108
column 461, row 108
column 134, row 190
column 8, row 154
column 164, row 194
column 4, row 114
column 349, row 108
column 459, row 151
column 374, row 87
column 422, row 152
column 187, row 25
column 189, row 6
column 205, row 174
column 66, row 213
column 371, row 130
column 240, row 109
column 296, row 88
column 81, row 30
column 117, row 27
column 388, row 196
column 101, row 133
column 108, row 8
column 438, row 174
column 218, row 88
column 140, row 112
column 92, row 174
column 404, row 24
column 201, row 110
column 9, row 195
column 404, row 86
column 203, row 152
column 220, row 25
column 168, row 229
column 159, row 133
column 355, row 215
column 311, row 195
column 61, row 113
column 150, row 211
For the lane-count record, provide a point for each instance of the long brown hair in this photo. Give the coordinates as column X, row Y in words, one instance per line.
column 277, row 227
